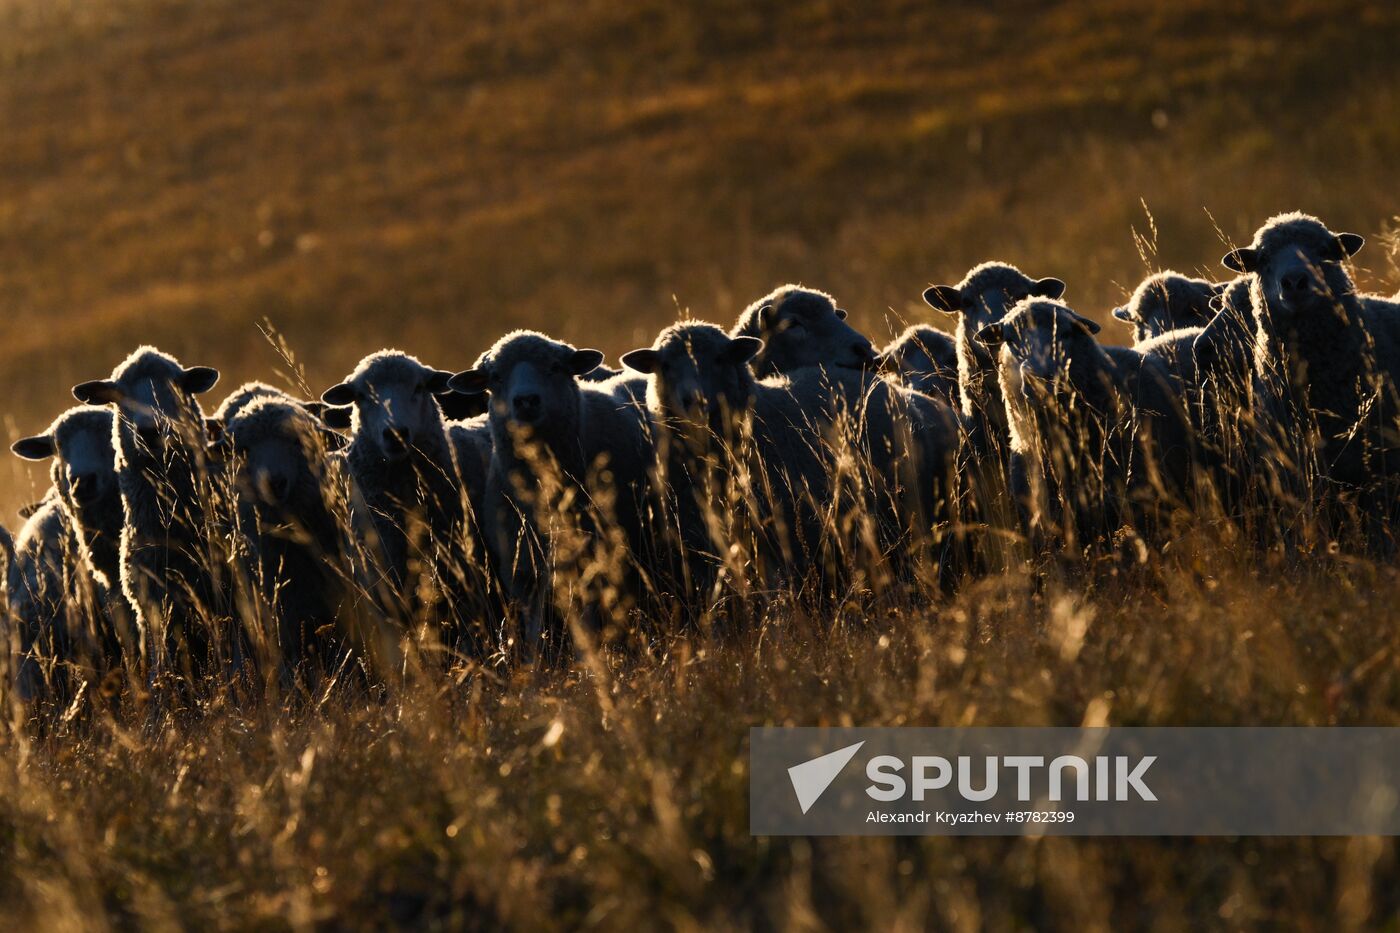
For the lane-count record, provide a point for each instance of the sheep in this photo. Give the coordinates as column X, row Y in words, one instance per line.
column 551, row 433
column 1168, row 301
column 802, row 327
column 289, row 526
column 458, row 407
column 800, row 422
column 1325, row 361
column 40, row 606
column 983, row 297
column 403, row 462
column 86, row 485
column 739, row 458
column 65, row 593
column 1096, row 430
column 250, row 392
column 168, row 559
column 926, row 359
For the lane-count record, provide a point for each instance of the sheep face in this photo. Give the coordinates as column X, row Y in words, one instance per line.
column 1169, row 301
column 699, row 374
column 801, row 327
column 155, row 395
column 80, row 441
column 277, row 447
column 988, row 292
column 395, row 411
column 1297, row 264
column 533, row 384
column 1045, row 343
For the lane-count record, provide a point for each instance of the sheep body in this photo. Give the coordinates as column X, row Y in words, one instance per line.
column 1326, row 360
column 926, row 359
column 557, row 442
column 1094, row 428
column 289, row 530
column 403, row 463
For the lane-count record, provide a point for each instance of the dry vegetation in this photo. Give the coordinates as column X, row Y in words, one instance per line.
column 427, row 175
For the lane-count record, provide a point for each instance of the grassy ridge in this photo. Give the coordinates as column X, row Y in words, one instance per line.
column 429, row 176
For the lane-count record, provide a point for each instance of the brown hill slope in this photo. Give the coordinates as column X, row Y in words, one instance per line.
column 429, row 175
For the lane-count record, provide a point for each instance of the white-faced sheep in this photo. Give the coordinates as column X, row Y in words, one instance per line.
column 168, row 559
column 561, row 449
column 1326, row 360
column 926, row 359
column 291, row 529
column 404, row 466
column 1168, row 301
column 1095, row 429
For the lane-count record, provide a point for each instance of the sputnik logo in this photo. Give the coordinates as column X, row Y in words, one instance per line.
column 811, row 778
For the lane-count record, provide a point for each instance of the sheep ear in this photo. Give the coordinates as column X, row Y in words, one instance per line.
column 336, row 417
column 470, row 381
column 437, row 382
column 199, row 379
column 316, row 410
column 743, row 349
column 1085, row 324
column 767, row 317
column 1242, row 260
column 98, row 392
column 214, row 430
column 27, row 510
column 643, row 361
column 1051, row 288
column 340, row 394
column 1350, row 243
column 1123, row 314
column 943, row 298
column 39, row 447
column 841, row 313
column 585, row 361
column 992, row 335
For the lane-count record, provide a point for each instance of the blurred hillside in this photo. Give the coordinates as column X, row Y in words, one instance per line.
column 429, row 175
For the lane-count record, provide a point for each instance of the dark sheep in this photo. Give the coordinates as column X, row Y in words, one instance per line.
column 1168, row 301
column 290, row 529
column 561, row 449
column 403, row 463
column 802, row 327
column 925, row 359
column 1325, row 362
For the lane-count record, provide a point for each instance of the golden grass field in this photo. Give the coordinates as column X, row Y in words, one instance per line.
column 353, row 174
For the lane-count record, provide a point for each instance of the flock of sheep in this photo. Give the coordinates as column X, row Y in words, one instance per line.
column 540, row 497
